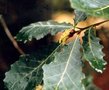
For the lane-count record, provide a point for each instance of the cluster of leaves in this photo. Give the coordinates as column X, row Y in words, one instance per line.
column 57, row 66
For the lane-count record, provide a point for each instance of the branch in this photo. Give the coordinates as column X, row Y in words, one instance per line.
column 3, row 23
column 93, row 25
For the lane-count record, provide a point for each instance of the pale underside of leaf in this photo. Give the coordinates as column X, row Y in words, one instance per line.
column 65, row 73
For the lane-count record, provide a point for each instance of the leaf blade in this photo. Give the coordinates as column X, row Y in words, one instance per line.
column 27, row 73
column 40, row 29
column 21, row 74
column 63, row 75
column 93, row 51
column 99, row 8
column 79, row 16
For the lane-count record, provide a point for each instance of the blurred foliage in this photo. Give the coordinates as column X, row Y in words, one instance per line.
column 59, row 5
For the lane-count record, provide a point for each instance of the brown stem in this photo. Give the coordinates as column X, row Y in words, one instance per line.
column 3, row 23
column 93, row 25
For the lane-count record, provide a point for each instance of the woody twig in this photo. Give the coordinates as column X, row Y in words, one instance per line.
column 9, row 35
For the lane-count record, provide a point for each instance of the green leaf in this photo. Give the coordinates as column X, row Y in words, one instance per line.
column 27, row 73
column 79, row 16
column 40, row 29
column 93, row 51
column 24, row 74
column 93, row 7
column 65, row 72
